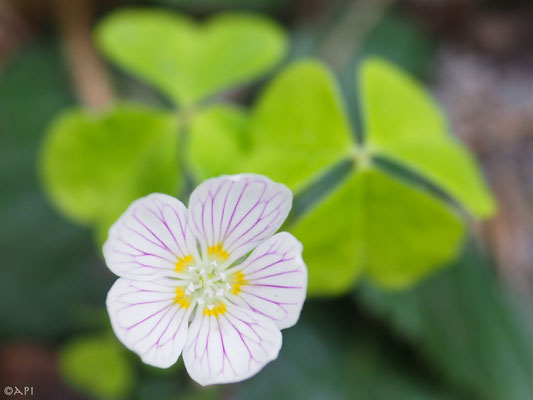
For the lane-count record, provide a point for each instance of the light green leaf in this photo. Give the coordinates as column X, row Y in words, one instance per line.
column 465, row 326
column 188, row 61
column 396, row 107
column 97, row 366
column 450, row 165
column 404, row 124
column 217, row 141
column 298, row 125
column 376, row 225
column 95, row 164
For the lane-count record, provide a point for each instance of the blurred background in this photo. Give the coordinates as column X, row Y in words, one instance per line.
column 463, row 333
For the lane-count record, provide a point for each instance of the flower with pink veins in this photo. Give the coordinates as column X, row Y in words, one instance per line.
column 212, row 281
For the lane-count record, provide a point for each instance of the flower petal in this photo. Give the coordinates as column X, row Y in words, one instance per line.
column 229, row 344
column 151, row 239
column 150, row 318
column 272, row 281
column 230, row 215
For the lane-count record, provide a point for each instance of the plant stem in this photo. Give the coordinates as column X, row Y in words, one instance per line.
column 184, row 127
column 87, row 70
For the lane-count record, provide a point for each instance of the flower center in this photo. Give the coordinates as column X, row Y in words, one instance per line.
column 206, row 284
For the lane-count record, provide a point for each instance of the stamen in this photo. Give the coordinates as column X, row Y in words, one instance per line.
column 217, row 252
column 207, row 285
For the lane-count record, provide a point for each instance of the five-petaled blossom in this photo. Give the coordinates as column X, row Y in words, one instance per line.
column 212, row 282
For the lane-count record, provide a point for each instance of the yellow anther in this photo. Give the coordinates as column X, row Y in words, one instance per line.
column 237, row 281
column 217, row 252
column 181, row 298
column 184, row 262
column 215, row 311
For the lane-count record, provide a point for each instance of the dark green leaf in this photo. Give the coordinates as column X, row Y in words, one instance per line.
column 50, row 275
column 328, row 355
column 466, row 326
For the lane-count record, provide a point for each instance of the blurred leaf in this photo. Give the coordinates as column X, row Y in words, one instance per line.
column 298, row 125
column 466, row 327
column 95, row 165
column 217, row 142
column 203, row 393
column 397, row 37
column 45, row 259
column 376, row 225
column 188, row 61
column 403, row 123
column 97, row 366
column 400, row 38
column 330, row 356
column 21, row 88
column 223, row 4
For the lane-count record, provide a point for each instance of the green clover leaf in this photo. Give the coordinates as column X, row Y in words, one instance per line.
column 95, row 164
column 97, row 366
column 217, row 142
column 372, row 223
column 404, row 124
column 189, row 61
column 298, row 125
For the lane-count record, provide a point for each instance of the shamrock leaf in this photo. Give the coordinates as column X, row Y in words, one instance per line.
column 404, row 124
column 371, row 223
column 374, row 224
column 217, row 142
column 97, row 366
column 298, row 125
column 94, row 165
column 188, row 61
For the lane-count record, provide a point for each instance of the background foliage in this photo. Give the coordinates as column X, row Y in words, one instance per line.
column 406, row 304
column 94, row 166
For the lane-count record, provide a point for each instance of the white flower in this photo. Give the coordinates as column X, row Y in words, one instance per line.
column 212, row 282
